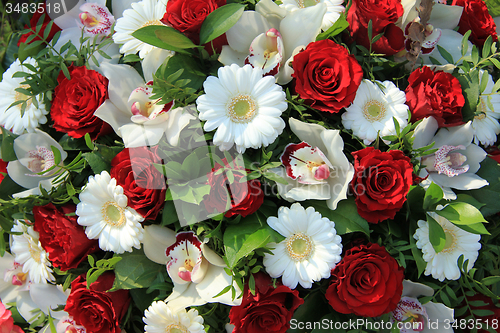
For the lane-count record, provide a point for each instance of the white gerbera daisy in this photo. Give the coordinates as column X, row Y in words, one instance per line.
column 11, row 118
column 486, row 127
column 243, row 106
column 372, row 111
column 142, row 14
column 104, row 212
column 159, row 318
column 333, row 9
column 310, row 251
column 443, row 265
column 28, row 252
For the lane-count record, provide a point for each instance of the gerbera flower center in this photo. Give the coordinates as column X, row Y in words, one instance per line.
column 307, row 3
column 450, row 243
column 241, row 109
column 113, row 214
column 152, row 22
column 480, row 116
column 374, row 110
column 299, row 247
column 35, row 253
column 40, row 159
column 22, row 97
column 176, row 328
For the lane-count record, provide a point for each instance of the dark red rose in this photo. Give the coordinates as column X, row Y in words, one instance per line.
column 367, row 282
column 475, row 17
column 383, row 14
column 76, row 100
column 327, row 77
column 492, row 321
column 142, row 183
column 3, row 168
column 436, row 94
column 270, row 310
column 33, row 22
column 245, row 197
column 381, row 182
column 493, row 152
column 62, row 237
column 96, row 309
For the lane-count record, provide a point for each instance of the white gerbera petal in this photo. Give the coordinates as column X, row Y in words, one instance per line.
column 298, row 259
column 116, row 225
column 159, row 318
column 372, row 111
column 12, row 119
column 240, row 102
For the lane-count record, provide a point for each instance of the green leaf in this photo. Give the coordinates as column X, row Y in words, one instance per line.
column 470, row 200
column 57, row 155
column 437, row 235
column 191, row 70
column 465, row 44
column 489, row 194
column 470, row 89
column 164, row 37
column 96, row 162
column 339, row 26
column 488, row 281
column 461, row 213
column 130, row 271
column 88, row 141
column 169, row 214
column 445, row 54
column 219, row 21
column 8, row 153
column 475, row 228
column 487, row 47
column 433, row 195
column 493, row 7
column 345, row 216
column 275, row 177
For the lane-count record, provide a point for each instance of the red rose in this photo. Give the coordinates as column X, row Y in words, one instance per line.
column 245, row 197
column 475, row 17
column 367, row 282
column 96, row 309
column 142, row 183
column 33, row 22
column 62, row 237
column 3, row 168
column 327, row 77
column 270, row 310
column 76, row 100
column 436, row 94
column 383, row 14
column 381, row 182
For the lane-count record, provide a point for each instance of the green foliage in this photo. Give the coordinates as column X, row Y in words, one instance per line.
column 337, row 28
column 165, row 38
column 99, row 267
column 219, row 21
column 135, row 270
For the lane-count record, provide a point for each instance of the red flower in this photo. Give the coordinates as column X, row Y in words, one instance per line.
column 245, row 197
column 76, row 100
column 383, row 14
column 327, row 77
column 34, row 20
column 62, row 237
column 142, row 183
column 96, row 309
column 436, row 94
column 491, row 321
column 7, row 322
column 367, row 282
column 475, row 17
column 381, row 182
column 3, row 168
column 270, row 310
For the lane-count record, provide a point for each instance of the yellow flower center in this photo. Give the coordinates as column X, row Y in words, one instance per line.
column 241, row 109
column 307, row 3
column 189, row 264
column 22, row 97
column 450, row 243
column 35, row 252
column 176, row 328
column 374, row 110
column 299, row 247
column 152, row 22
column 113, row 214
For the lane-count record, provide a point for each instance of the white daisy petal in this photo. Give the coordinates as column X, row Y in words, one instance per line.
column 160, row 318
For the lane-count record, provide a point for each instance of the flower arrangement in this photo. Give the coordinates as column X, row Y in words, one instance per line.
column 249, row 166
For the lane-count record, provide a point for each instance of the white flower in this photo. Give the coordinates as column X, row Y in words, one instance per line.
column 11, row 119
column 159, row 318
column 443, row 265
column 485, row 125
column 29, row 252
column 310, row 251
column 414, row 316
column 243, row 106
column 270, row 36
column 337, row 176
column 95, row 18
column 142, row 14
column 67, row 324
column 104, row 212
column 372, row 111
column 334, row 9
column 457, row 160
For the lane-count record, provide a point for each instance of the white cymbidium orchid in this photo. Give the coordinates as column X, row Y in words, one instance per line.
column 457, row 160
column 137, row 119
column 414, row 316
column 196, row 271
column 324, row 175
column 270, row 36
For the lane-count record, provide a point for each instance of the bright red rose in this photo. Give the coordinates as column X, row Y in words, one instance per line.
column 142, row 183
column 33, row 22
column 3, row 168
column 327, row 77
column 245, row 197
column 367, row 282
column 383, row 14
column 381, row 182
column 476, row 18
column 76, row 100
column 96, row 309
column 436, row 94
column 62, row 237
column 270, row 310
